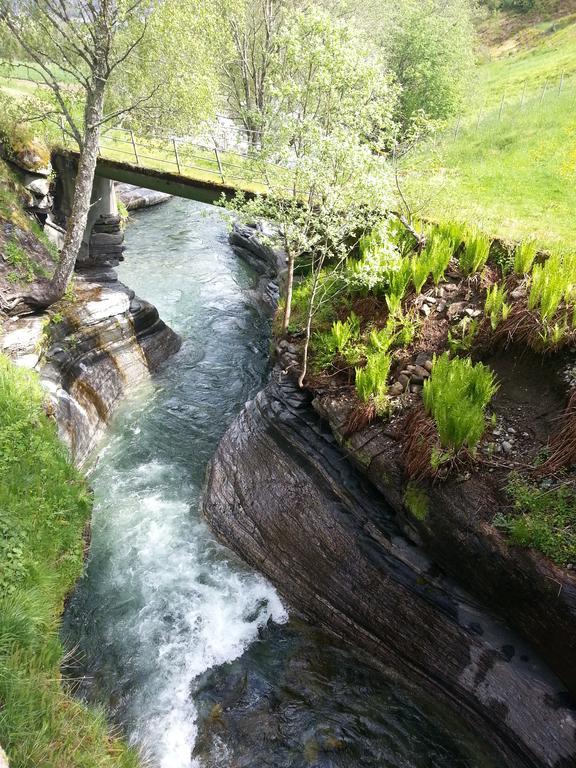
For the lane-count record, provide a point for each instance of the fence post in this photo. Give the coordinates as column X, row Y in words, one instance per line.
column 561, row 83
column 134, row 148
column 543, row 90
column 479, row 118
column 176, row 156
column 501, row 108
column 219, row 163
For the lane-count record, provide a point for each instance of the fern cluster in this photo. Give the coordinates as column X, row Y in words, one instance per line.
column 474, row 254
column 496, row 307
column 456, row 396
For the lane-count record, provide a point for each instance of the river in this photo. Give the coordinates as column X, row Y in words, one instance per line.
column 194, row 654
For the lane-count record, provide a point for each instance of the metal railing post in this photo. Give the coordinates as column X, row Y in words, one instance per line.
column 176, row 156
column 219, row 163
column 134, row 147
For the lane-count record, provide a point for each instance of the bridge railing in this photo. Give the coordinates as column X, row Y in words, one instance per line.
column 191, row 159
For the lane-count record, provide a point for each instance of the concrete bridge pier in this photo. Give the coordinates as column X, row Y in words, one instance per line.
column 103, row 233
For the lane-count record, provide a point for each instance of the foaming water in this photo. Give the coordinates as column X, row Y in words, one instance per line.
column 187, row 648
column 161, row 601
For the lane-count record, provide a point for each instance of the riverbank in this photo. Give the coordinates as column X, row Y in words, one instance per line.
column 75, row 363
column 308, row 513
column 45, row 506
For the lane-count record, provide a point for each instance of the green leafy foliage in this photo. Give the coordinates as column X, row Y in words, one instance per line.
column 544, row 519
column 552, row 283
column 44, row 507
column 461, row 337
column 495, row 306
column 440, row 250
column 456, row 396
column 372, row 380
column 524, row 255
column 474, row 254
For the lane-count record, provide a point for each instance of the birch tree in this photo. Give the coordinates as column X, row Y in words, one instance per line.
column 93, row 59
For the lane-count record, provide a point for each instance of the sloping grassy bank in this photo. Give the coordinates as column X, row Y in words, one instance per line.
column 44, row 507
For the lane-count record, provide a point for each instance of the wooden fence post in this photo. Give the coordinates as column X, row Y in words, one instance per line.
column 543, row 90
column 501, row 108
column 134, row 148
column 561, row 83
column 219, row 163
column 176, row 156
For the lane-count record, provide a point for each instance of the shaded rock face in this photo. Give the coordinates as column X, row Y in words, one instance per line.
column 249, row 244
column 107, row 342
column 536, row 597
column 281, row 493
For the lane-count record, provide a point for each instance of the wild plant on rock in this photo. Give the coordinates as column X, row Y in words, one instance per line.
column 456, row 396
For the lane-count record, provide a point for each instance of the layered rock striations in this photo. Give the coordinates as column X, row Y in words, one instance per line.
column 282, row 494
column 94, row 346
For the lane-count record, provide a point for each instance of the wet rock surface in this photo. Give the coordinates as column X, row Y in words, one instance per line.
column 281, row 493
column 136, row 198
column 297, row 698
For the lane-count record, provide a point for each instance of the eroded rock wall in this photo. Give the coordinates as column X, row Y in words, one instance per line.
column 282, row 494
column 95, row 347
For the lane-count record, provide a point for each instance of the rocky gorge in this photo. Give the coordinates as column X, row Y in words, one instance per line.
column 329, row 517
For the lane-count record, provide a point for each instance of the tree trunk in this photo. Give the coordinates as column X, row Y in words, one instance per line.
column 42, row 294
column 289, row 288
column 317, row 271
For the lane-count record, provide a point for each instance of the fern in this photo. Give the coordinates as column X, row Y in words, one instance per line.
column 372, row 380
column 456, row 396
column 496, row 307
column 524, row 256
column 474, row 255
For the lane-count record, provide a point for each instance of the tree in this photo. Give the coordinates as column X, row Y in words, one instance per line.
column 333, row 104
column 249, row 41
column 94, row 59
column 429, row 46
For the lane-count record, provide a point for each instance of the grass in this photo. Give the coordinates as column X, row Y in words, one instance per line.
column 543, row 519
column 456, row 396
column 44, row 507
column 514, row 173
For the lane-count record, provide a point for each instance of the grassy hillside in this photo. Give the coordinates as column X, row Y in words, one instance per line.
column 44, row 507
column 509, row 162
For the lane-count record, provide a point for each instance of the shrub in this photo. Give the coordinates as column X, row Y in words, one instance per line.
column 372, row 380
column 379, row 259
column 456, row 396
column 495, row 306
column 475, row 253
column 524, row 256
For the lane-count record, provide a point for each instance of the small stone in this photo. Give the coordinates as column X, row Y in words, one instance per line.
column 415, row 379
column 292, row 349
column 440, row 292
column 441, row 307
column 428, row 365
column 415, row 389
column 425, row 309
column 283, row 344
column 525, row 434
column 456, row 309
column 518, row 293
column 450, row 287
column 430, row 299
column 404, row 372
column 507, row 447
column 410, row 368
column 396, row 389
column 473, row 312
column 421, row 372
column 511, row 431
column 497, row 432
column 404, row 380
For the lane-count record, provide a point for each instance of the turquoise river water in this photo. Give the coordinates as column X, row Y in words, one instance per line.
column 194, row 654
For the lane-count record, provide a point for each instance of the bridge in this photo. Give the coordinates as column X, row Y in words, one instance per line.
column 180, row 167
